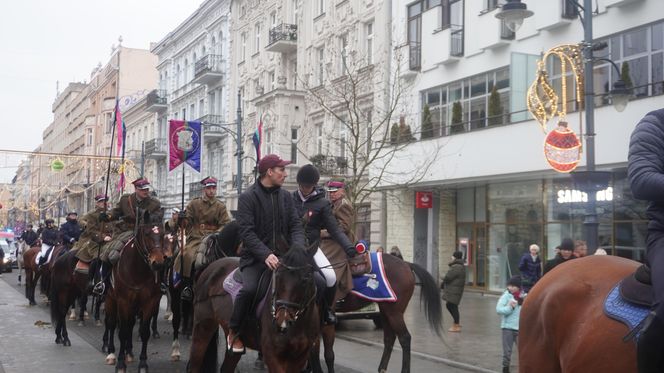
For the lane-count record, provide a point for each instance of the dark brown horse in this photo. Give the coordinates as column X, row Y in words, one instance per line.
column 66, row 286
column 562, row 324
column 289, row 321
column 401, row 276
column 135, row 292
column 33, row 272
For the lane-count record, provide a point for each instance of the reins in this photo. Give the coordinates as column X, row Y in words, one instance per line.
column 278, row 304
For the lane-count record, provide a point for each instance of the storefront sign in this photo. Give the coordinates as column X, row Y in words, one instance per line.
column 577, row 196
column 424, row 200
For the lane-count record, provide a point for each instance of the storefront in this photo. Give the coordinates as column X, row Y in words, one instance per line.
column 497, row 222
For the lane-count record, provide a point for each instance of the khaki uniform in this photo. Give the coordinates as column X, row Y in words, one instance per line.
column 343, row 212
column 92, row 237
column 203, row 216
column 125, row 212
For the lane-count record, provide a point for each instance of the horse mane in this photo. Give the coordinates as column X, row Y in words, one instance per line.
column 295, row 257
column 229, row 238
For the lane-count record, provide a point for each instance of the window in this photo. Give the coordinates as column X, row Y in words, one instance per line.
column 452, row 14
column 192, row 110
column 273, row 19
column 243, row 46
column 294, row 11
column 321, row 7
column 257, row 44
column 415, row 35
column 343, row 139
column 177, row 76
column 370, row 41
column 321, row 65
column 293, row 155
column 185, row 74
column 343, row 52
column 268, row 141
column 89, row 137
column 319, row 138
column 271, row 81
column 184, row 114
column 201, row 108
column 369, row 131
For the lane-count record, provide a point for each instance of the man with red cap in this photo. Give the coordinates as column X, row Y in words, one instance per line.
column 204, row 215
column 269, row 227
column 125, row 213
column 94, row 236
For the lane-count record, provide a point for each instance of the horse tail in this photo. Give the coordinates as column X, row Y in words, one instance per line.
column 430, row 296
column 210, row 357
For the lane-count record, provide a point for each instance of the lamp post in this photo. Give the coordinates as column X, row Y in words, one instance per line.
column 590, row 181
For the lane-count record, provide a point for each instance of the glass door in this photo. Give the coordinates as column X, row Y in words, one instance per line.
column 471, row 241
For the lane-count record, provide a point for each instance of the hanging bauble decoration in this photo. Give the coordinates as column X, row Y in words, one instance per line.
column 57, row 165
column 562, row 148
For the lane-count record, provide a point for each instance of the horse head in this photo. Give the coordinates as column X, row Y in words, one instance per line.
column 293, row 289
column 154, row 247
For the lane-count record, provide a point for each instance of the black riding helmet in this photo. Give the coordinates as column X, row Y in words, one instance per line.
column 49, row 221
column 308, row 175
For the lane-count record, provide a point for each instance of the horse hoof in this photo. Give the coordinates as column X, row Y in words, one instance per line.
column 156, row 335
column 175, row 357
column 72, row 317
column 66, row 343
column 129, row 358
column 143, row 370
column 81, row 323
column 58, row 340
column 86, row 316
column 98, row 323
column 33, row 303
column 110, row 359
column 168, row 315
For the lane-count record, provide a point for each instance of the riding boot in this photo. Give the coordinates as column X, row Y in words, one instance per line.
column 330, row 318
column 506, row 369
column 650, row 346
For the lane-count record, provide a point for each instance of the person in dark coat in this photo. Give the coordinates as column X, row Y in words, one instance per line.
column 269, row 227
column 453, row 285
column 566, row 253
column 530, row 266
column 29, row 237
column 49, row 238
column 646, row 175
column 70, row 230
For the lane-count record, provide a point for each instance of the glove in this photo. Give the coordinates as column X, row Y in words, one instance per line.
column 350, row 251
column 104, row 217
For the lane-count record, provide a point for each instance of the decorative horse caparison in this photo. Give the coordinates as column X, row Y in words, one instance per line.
column 563, row 327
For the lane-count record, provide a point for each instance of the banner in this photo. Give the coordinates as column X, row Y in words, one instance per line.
column 120, row 128
column 257, row 139
column 184, row 144
column 424, row 200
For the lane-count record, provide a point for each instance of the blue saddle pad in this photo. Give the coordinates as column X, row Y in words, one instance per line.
column 621, row 310
column 374, row 286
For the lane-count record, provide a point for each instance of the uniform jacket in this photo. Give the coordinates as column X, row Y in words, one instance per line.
column 205, row 216
column 125, row 211
column 454, row 282
column 29, row 237
column 268, row 223
column 94, row 231
column 49, row 236
column 70, row 230
column 509, row 317
column 343, row 212
column 316, row 214
column 646, row 166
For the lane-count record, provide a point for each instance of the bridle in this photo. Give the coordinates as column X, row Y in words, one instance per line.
column 293, row 309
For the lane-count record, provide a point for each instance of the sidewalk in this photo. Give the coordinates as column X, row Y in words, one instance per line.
column 27, row 347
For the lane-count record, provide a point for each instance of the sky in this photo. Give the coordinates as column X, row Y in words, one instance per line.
column 46, row 41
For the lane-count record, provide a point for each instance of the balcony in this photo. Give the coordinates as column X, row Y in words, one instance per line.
column 283, row 39
column 328, row 165
column 156, row 148
column 213, row 126
column 456, row 41
column 414, row 55
column 208, row 69
column 156, row 101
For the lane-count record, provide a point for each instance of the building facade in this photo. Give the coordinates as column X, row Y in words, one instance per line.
column 493, row 191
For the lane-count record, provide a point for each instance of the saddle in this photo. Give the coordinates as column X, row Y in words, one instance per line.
column 360, row 264
column 637, row 287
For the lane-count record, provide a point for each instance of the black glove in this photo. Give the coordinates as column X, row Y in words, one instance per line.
column 104, row 217
column 350, row 251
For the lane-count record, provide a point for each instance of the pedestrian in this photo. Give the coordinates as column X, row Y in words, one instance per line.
column 580, row 249
column 396, row 252
column 645, row 170
column 269, row 227
column 566, row 253
column 509, row 308
column 453, row 284
column 530, row 266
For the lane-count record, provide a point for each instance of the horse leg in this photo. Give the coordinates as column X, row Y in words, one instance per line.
column 129, row 353
column 388, row 341
column 201, row 340
column 109, row 333
column 393, row 324
column 124, row 335
column 230, row 362
column 144, row 331
column 175, row 307
column 153, row 325
column 329, row 335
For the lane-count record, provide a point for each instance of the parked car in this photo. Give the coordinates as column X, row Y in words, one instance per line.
column 368, row 312
column 9, row 260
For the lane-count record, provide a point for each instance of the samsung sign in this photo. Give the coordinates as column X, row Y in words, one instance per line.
column 576, row 196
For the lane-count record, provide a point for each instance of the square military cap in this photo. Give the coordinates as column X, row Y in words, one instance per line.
column 141, row 183
column 209, row 182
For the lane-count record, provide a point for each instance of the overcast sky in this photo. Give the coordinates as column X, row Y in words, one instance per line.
column 45, row 41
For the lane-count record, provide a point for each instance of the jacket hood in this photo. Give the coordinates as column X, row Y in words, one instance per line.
column 456, row 261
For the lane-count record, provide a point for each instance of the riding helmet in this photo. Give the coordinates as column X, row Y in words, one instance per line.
column 49, row 221
column 308, row 175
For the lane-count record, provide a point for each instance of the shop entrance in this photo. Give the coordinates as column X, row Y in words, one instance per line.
column 471, row 240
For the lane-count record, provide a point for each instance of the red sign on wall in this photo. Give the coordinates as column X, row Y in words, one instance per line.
column 424, row 200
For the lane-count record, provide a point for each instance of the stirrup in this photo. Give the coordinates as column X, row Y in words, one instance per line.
column 163, row 288
column 187, row 294
column 330, row 318
column 99, row 288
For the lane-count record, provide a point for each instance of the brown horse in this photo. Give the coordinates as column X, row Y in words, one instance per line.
column 33, row 273
column 66, row 286
column 289, row 321
column 135, row 292
column 562, row 324
column 401, row 276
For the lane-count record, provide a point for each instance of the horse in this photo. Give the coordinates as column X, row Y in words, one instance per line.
column 289, row 320
column 401, row 276
column 562, row 324
column 136, row 291
column 66, row 286
column 33, row 272
column 213, row 246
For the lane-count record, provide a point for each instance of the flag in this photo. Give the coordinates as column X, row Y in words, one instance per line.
column 184, row 144
column 257, row 138
column 120, row 127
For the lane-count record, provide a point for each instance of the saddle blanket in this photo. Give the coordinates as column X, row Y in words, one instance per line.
column 621, row 310
column 233, row 287
column 374, row 286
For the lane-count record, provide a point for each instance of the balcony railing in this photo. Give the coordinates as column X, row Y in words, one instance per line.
column 156, row 100
column 414, row 55
column 328, row 165
column 213, row 126
column 208, row 69
column 282, row 38
column 156, row 148
column 456, row 41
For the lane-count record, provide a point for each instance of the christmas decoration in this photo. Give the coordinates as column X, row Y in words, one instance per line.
column 57, row 165
column 562, row 148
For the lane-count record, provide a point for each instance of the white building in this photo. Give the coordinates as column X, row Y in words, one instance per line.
column 494, row 193
column 193, row 86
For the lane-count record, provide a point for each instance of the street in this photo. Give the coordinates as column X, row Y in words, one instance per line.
column 27, row 344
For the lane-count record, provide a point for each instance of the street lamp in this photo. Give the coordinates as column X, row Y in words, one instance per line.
column 590, row 181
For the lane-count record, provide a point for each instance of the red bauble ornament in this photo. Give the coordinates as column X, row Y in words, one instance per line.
column 562, row 148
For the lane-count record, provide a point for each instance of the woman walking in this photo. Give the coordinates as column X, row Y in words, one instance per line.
column 452, row 285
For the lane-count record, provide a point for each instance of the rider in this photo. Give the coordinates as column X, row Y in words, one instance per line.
column 29, row 237
column 49, row 238
column 646, row 175
column 203, row 216
column 125, row 212
column 316, row 213
column 269, row 227
column 70, row 230
column 95, row 234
